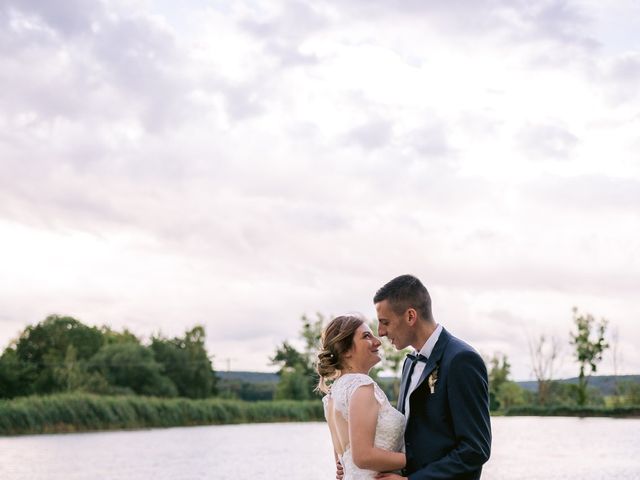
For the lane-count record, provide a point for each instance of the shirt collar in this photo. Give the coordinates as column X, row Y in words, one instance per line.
column 427, row 348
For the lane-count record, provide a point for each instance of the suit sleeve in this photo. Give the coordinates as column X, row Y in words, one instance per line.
column 468, row 395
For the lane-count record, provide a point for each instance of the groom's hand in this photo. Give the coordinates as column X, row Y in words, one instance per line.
column 339, row 470
column 390, row 476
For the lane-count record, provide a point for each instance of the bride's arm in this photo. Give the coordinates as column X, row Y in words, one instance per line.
column 363, row 417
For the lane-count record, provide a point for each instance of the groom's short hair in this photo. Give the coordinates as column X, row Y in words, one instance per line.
column 403, row 292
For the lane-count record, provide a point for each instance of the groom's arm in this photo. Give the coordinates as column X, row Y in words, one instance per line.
column 468, row 394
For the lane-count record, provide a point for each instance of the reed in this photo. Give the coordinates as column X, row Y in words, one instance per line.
column 573, row 411
column 79, row 412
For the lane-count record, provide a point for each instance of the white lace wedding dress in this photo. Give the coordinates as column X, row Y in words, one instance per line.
column 389, row 429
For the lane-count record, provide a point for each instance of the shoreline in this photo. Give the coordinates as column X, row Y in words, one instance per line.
column 75, row 413
column 82, row 413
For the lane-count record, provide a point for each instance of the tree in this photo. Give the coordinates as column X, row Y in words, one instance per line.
column 544, row 353
column 44, row 348
column 16, row 377
column 112, row 336
column 616, row 359
column 297, row 367
column 311, row 333
column 131, row 368
column 499, row 371
column 588, row 351
column 630, row 392
column 185, row 361
column 510, row 394
column 294, row 384
column 70, row 373
column 288, row 357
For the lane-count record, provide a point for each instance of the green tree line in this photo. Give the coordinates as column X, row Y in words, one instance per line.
column 61, row 354
column 588, row 341
column 298, row 377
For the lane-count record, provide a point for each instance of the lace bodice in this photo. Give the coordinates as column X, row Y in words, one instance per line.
column 389, row 429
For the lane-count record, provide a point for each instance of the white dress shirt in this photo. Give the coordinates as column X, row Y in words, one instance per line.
column 426, row 350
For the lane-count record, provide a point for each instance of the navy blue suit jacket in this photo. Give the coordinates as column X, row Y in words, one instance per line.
column 448, row 433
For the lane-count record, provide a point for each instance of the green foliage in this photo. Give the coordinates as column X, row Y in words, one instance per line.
column 16, row 376
column 133, row 368
column 510, row 394
column 288, row 357
column 562, row 394
column 297, row 368
column 294, row 384
column 112, row 336
column 499, row 371
column 85, row 412
column 573, row 411
column 588, row 352
column 61, row 354
column 186, row 363
column 70, row 374
column 45, row 346
column 630, row 393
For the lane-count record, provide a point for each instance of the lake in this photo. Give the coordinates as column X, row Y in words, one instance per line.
column 524, row 448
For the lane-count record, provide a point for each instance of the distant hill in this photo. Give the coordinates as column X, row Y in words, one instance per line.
column 605, row 383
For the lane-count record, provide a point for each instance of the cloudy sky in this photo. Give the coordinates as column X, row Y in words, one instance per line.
column 237, row 164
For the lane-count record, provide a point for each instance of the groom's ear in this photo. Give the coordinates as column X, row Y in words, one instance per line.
column 412, row 316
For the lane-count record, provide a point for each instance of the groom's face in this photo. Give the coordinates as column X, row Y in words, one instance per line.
column 393, row 326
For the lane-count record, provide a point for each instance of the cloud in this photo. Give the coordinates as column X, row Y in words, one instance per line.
column 587, row 193
column 284, row 33
column 547, row 142
column 237, row 166
column 74, row 17
column 623, row 74
column 372, row 135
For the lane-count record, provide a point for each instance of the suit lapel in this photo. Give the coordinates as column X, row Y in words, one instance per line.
column 435, row 357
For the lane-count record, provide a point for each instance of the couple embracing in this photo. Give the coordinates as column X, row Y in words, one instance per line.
column 441, row 427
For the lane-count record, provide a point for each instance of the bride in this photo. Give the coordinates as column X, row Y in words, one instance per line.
column 366, row 431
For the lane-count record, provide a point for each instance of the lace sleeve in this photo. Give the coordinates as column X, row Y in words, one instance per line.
column 343, row 390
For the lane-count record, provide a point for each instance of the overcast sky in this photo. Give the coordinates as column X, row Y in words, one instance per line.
column 237, row 164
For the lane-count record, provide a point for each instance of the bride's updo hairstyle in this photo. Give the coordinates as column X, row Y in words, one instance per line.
column 336, row 340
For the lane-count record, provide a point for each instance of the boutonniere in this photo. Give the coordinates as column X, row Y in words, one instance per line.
column 433, row 378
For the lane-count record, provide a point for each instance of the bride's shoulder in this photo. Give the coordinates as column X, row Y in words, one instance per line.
column 348, row 383
column 354, row 379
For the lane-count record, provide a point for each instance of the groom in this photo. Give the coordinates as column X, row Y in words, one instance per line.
column 444, row 390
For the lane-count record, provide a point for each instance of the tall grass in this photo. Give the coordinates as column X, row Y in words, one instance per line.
column 84, row 412
column 573, row 411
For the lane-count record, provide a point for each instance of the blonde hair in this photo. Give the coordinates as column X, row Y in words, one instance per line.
column 337, row 338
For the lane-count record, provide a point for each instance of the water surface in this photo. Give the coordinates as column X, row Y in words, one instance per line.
column 524, row 448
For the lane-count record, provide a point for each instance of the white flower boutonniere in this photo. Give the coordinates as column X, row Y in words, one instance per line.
column 433, row 378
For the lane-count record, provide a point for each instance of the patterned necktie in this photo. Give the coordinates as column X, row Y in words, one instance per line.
column 414, row 360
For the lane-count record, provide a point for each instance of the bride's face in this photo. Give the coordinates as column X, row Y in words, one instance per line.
column 364, row 353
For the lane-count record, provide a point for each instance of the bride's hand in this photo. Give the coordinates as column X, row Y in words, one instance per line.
column 390, row 476
column 339, row 470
